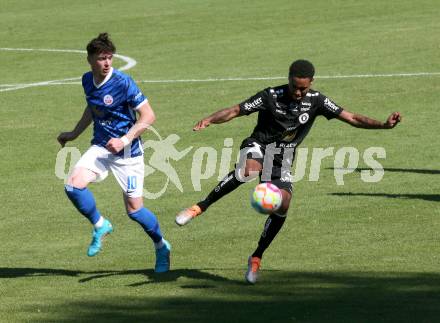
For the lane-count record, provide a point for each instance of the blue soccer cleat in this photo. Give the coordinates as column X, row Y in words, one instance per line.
column 163, row 258
column 98, row 234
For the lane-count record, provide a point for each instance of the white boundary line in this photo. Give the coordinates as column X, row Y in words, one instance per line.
column 285, row 77
column 328, row 77
column 130, row 62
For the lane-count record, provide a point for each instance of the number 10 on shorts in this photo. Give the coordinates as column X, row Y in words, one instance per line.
column 131, row 182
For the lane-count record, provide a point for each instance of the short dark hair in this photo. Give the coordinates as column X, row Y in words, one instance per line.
column 302, row 68
column 100, row 44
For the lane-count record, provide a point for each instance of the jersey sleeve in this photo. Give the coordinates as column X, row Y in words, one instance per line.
column 255, row 103
column 135, row 97
column 328, row 108
column 85, row 81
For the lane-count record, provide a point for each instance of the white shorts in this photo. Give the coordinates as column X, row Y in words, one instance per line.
column 129, row 172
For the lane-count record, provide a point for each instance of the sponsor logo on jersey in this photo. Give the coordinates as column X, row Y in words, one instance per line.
column 305, row 106
column 288, row 145
column 330, row 105
column 303, row 118
column 108, row 99
column 138, row 95
column 105, row 123
column 256, row 103
column 312, row 94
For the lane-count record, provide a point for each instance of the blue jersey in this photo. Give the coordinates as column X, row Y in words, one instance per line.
column 113, row 104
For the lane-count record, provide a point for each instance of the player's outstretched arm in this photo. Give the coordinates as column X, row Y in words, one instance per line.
column 360, row 121
column 146, row 119
column 220, row 116
column 82, row 125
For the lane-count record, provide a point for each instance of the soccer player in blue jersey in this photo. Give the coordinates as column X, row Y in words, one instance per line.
column 113, row 99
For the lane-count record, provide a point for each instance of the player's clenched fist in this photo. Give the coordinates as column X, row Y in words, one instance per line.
column 115, row 145
column 393, row 120
column 65, row 137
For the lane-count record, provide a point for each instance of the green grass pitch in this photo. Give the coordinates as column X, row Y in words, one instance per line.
column 361, row 252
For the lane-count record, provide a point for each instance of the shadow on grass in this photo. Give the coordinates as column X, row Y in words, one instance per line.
column 397, row 170
column 278, row 297
column 150, row 275
column 31, row 272
column 425, row 197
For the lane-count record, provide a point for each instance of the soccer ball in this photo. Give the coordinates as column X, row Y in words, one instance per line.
column 266, row 198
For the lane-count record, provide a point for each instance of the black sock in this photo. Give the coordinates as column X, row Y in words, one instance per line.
column 271, row 228
column 226, row 186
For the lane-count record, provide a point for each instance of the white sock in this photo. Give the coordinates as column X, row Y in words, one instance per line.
column 159, row 244
column 100, row 222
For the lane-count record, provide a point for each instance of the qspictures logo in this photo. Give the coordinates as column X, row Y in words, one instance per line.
column 162, row 156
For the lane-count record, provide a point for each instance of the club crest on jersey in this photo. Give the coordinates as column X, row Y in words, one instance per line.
column 108, row 99
column 303, row 118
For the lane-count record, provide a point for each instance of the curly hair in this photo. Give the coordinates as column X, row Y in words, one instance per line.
column 302, row 68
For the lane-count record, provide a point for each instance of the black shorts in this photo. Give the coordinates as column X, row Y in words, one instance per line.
column 276, row 172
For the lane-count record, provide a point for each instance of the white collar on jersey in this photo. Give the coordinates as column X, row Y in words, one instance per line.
column 109, row 75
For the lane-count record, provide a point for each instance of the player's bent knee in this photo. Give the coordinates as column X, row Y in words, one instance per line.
column 77, row 182
column 247, row 174
column 81, row 177
column 133, row 204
